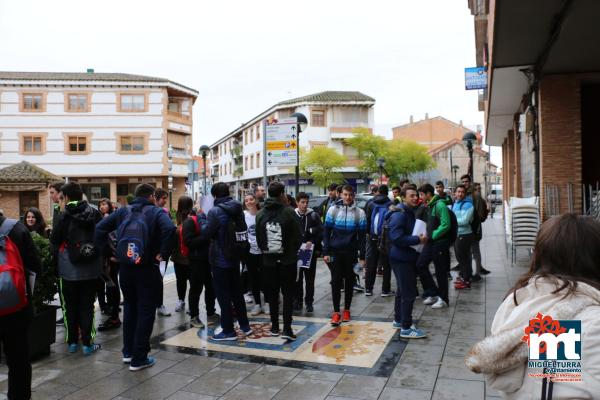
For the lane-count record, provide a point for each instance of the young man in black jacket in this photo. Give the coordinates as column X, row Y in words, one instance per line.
column 14, row 326
column 199, row 269
column 376, row 210
column 329, row 201
column 311, row 231
column 140, row 283
column 278, row 236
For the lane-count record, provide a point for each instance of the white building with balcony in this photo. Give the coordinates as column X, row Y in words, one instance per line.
column 238, row 157
column 108, row 131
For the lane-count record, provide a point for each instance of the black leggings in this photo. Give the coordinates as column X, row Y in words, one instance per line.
column 182, row 275
column 342, row 273
column 255, row 272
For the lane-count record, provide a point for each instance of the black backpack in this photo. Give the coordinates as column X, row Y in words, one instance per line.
column 453, row 234
column 270, row 234
column 80, row 241
column 236, row 244
column 384, row 243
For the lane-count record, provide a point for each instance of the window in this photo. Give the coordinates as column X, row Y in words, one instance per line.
column 258, row 160
column 317, row 118
column 252, row 161
column 257, row 132
column 246, row 162
column 245, row 137
column 32, row 144
column 78, row 144
column 77, row 102
column 229, row 169
column 132, row 102
column 32, row 102
column 132, row 144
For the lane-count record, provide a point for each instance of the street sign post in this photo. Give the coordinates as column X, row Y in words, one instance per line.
column 280, row 143
column 475, row 78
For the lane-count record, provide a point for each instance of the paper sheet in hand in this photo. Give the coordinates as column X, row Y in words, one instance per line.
column 305, row 255
column 420, row 229
column 163, row 268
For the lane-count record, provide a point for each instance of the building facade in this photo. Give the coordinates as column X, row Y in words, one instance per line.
column 542, row 98
column 107, row 131
column 430, row 132
column 238, row 157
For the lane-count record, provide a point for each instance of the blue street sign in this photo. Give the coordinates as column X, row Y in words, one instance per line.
column 475, row 78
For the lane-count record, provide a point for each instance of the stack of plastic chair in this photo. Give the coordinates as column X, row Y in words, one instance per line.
column 524, row 220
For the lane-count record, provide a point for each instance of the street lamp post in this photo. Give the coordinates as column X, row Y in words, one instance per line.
column 454, row 171
column 170, row 177
column 204, row 149
column 469, row 139
column 381, row 165
column 301, row 123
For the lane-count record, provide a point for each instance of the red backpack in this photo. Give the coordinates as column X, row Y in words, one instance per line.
column 13, row 287
column 183, row 249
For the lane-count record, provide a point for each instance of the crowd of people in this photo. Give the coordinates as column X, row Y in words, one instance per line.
column 259, row 252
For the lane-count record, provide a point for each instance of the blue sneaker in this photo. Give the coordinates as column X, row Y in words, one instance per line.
column 127, row 358
column 150, row 361
column 222, row 336
column 73, row 348
column 397, row 325
column 91, row 349
column 412, row 333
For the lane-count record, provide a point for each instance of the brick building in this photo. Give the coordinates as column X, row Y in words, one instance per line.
column 22, row 186
column 430, row 132
column 542, row 98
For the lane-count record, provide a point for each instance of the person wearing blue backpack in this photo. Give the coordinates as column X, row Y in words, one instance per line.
column 376, row 210
column 145, row 236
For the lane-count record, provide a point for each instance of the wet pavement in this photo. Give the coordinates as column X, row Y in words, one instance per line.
column 365, row 360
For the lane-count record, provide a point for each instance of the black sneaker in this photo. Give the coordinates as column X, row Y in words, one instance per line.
column 476, row 278
column 455, row 268
column 484, row 271
column 309, row 308
column 274, row 331
column 109, row 324
column 61, row 321
column 288, row 334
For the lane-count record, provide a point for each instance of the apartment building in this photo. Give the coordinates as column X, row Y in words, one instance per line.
column 430, row 132
column 237, row 158
column 542, row 98
column 107, row 131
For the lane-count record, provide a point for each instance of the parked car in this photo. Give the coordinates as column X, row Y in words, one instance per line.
column 361, row 200
column 495, row 196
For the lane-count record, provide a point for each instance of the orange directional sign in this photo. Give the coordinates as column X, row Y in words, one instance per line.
column 281, row 145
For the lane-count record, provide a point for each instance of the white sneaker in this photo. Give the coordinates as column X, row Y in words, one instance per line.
column 249, row 299
column 267, row 309
column 256, row 310
column 430, row 300
column 162, row 311
column 440, row 303
column 180, row 306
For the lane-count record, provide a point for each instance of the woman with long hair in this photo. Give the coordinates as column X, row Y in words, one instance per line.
column 34, row 221
column 105, row 206
column 254, row 258
column 563, row 283
column 185, row 208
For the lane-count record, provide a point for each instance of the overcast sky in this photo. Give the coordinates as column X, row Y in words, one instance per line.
column 244, row 56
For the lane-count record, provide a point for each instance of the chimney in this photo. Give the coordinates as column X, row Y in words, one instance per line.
column 90, row 70
column 461, row 123
column 411, row 119
column 426, row 115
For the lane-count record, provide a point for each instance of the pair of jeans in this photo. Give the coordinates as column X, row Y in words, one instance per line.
column 342, row 273
column 463, row 255
column 280, row 277
column 78, row 310
column 406, row 291
column 141, row 286
column 14, row 340
column 374, row 258
column 182, row 275
column 255, row 274
column 476, row 255
column 307, row 275
column 439, row 253
column 200, row 277
column 228, row 288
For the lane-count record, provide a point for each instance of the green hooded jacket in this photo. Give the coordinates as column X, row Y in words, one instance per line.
column 439, row 209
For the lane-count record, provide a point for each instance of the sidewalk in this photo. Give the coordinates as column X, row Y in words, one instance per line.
column 430, row 368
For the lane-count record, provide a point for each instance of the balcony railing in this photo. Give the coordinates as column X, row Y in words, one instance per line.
column 237, row 151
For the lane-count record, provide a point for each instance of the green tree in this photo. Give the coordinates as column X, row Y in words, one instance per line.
column 322, row 164
column 402, row 157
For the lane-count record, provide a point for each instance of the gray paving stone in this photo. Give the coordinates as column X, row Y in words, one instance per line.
column 217, row 381
column 416, row 355
column 359, row 387
column 305, row 389
column 181, row 395
column 244, row 366
column 92, row 372
column 52, row 390
column 391, row 393
column 169, row 355
column 320, row 375
column 458, row 347
column 195, row 365
column 254, row 392
column 271, row 376
column 415, row 376
column 455, row 368
column 454, row 389
column 144, row 374
column 105, row 388
column 158, row 387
